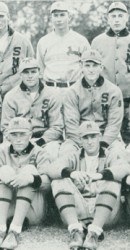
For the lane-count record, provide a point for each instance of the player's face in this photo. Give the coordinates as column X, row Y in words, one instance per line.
column 117, row 20
column 30, row 77
column 19, row 140
column 91, row 144
column 4, row 21
column 91, row 71
column 60, row 20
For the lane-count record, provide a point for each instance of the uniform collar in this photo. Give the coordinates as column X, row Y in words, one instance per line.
column 122, row 33
column 98, row 83
column 101, row 153
column 25, row 88
column 27, row 150
column 10, row 31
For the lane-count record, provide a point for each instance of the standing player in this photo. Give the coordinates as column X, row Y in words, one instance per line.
column 13, row 47
column 59, row 52
column 114, row 46
column 93, row 98
column 81, row 201
column 33, row 100
column 20, row 167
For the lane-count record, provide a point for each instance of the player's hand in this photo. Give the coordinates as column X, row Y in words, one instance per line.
column 95, row 177
column 7, row 174
column 79, row 178
column 22, row 180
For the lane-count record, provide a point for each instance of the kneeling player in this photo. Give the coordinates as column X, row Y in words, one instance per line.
column 21, row 185
column 83, row 202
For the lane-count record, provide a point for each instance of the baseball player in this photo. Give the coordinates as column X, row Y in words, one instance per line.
column 82, row 201
column 114, row 47
column 13, row 47
column 93, row 98
column 59, row 52
column 33, row 100
column 20, row 167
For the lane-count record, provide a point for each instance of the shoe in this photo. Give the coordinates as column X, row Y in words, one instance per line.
column 76, row 239
column 2, row 236
column 91, row 241
column 11, row 240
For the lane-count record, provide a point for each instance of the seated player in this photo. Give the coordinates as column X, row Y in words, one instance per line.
column 81, row 200
column 33, row 100
column 22, row 188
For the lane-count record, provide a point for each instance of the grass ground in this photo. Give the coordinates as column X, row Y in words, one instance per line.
column 54, row 236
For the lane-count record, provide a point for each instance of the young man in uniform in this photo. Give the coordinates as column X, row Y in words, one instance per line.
column 59, row 52
column 93, row 98
column 114, row 47
column 20, row 166
column 13, row 47
column 33, row 100
column 82, row 201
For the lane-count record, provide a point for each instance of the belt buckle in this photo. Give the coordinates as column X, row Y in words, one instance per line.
column 55, row 84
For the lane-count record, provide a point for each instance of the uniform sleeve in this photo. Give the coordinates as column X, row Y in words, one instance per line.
column 55, row 120
column 8, row 112
column 115, row 116
column 41, row 50
column 85, row 45
column 71, row 116
column 94, row 44
column 30, row 51
column 54, row 169
column 2, row 157
column 15, row 79
column 117, row 162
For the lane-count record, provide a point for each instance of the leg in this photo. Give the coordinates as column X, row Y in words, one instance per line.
column 107, row 205
column 23, row 200
column 5, row 200
column 38, row 209
column 65, row 201
column 125, row 129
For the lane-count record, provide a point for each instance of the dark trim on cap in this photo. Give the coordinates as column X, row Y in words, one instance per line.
column 98, row 83
column 27, row 150
column 122, row 33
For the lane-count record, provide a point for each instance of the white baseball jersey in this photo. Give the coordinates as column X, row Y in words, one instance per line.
column 59, row 56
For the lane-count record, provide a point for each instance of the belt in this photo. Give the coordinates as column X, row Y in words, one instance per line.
column 59, row 84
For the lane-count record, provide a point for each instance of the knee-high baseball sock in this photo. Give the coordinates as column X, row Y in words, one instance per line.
column 104, row 207
column 23, row 201
column 66, row 206
column 5, row 200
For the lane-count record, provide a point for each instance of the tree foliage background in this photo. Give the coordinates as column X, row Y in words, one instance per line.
column 32, row 18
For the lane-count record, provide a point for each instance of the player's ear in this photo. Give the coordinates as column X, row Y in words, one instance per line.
column 70, row 16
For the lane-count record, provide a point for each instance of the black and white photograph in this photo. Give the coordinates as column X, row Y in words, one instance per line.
column 65, row 125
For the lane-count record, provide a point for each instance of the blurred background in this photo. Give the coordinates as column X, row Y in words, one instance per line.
column 89, row 17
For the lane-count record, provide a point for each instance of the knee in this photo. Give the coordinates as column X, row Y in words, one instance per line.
column 111, row 186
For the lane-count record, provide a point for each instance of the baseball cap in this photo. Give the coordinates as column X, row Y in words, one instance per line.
column 92, row 55
column 3, row 8
column 28, row 63
column 117, row 5
column 89, row 127
column 59, row 6
column 19, row 124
